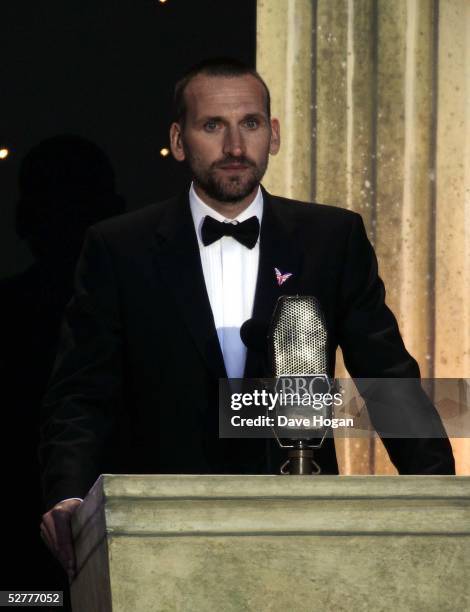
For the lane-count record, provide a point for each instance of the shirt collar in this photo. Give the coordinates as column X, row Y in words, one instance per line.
column 200, row 209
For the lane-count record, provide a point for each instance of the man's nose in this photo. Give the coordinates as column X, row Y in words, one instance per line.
column 233, row 143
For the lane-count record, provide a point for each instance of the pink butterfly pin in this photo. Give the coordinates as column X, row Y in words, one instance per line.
column 281, row 278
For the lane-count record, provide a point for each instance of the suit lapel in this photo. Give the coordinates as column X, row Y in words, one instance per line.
column 178, row 260
column 278, row 249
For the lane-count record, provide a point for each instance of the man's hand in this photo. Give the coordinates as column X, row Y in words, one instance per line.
column 57, row 533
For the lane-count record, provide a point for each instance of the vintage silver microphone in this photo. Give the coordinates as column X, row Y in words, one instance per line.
column 298, row 337
column 297, row 349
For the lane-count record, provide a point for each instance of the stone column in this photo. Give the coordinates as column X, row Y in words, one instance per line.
column 452, row 223
column 285, row 58
column 389, row 118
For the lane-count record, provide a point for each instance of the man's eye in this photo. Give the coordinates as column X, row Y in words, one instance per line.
column 251, row 124
column 211, row 126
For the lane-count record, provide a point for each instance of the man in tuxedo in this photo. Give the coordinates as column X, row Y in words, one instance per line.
column 161, row 295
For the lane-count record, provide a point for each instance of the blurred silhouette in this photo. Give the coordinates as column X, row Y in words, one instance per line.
column 66, row 184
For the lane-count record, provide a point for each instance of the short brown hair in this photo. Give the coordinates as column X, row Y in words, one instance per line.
column 217, row 66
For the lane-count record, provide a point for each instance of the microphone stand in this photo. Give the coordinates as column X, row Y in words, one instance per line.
column 300, row 460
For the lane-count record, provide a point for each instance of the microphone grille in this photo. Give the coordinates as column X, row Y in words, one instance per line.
column 298, row 337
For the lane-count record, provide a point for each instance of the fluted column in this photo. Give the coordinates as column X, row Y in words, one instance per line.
column 388, row 113
column 285, row 62
column 452, row 256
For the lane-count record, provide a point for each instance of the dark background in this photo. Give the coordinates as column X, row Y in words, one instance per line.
column 105, row 70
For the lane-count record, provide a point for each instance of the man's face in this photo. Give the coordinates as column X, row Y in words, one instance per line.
column 226, row 137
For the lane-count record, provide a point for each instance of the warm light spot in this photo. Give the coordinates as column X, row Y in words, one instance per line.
column 164, row 152
column 162, row 1
column 4, row 153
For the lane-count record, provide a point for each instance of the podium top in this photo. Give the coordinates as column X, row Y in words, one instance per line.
column 159, row 506
column 168, row 486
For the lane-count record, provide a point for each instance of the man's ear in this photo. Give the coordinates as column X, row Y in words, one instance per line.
column 275, row 137
column 176, row 142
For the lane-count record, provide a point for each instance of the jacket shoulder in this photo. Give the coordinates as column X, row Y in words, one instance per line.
column 314, row 212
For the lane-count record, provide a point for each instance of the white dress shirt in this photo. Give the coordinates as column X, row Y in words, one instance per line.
column 230, row 272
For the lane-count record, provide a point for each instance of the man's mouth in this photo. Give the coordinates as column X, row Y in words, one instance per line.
column 233, row 166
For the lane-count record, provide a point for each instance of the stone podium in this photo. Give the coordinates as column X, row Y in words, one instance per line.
column 273, row 543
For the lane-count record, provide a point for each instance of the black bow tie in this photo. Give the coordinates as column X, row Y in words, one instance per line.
column 246, row 232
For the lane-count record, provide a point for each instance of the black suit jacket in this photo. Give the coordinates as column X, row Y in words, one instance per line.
column 136, row 379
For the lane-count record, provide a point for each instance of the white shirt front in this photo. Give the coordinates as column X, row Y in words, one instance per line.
column 230, row 272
